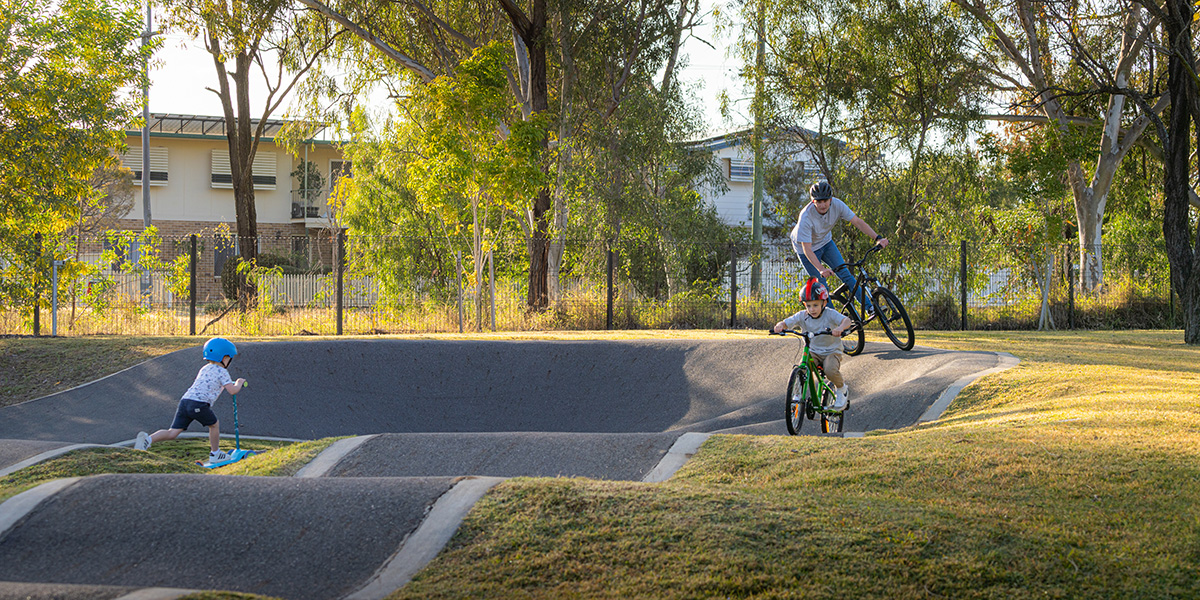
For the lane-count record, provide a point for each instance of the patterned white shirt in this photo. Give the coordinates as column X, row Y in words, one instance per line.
column 210, row 381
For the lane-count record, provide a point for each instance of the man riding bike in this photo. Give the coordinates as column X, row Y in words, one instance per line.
column 812, row 238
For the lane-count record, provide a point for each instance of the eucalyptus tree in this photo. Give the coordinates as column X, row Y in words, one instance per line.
column 419, row 41
column 265, row 40
column 1180, row 228
column 875, row 92
column 66, row 71
column 572, row 66
column 624, row 116
column 1063, row 63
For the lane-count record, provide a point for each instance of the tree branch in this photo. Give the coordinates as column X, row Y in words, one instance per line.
column 406, row 61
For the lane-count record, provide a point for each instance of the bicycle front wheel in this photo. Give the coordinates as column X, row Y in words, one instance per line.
column 797, row 399
column 894, row 318
column 831, row 423
column 855, row 339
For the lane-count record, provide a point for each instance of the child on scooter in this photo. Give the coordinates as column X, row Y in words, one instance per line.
column 198, row 400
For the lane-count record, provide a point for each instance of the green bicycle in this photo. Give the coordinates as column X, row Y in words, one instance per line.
column 809, row 393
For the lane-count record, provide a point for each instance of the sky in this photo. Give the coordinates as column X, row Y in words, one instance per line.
column 185, row 69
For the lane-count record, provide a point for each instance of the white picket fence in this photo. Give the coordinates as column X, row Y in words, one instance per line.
column 293, row 290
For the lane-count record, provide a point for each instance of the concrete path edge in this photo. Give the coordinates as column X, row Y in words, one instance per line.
column 47, row 455
column 157, row 593
column 14, row 509
column 1007, row 361
column 331, row 456
column 428, row 539
column 684, row 447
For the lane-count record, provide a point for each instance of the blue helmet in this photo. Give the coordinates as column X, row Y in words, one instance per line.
column 217, row 349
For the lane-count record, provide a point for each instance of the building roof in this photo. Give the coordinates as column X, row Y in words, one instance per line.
column 742, row 136
column 205, row 127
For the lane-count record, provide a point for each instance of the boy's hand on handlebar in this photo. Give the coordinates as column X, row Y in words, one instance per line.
column 779, row 327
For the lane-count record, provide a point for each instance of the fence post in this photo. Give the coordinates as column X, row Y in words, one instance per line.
column 962, row 278
column 341, row 272
column 458, row 271
column 37, row 285
column 192, row 287
column 732, row 285
column 492, row 287
column 612, row 259
column 1070, row 292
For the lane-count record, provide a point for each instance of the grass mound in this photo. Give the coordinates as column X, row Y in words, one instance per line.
column 1073, row 475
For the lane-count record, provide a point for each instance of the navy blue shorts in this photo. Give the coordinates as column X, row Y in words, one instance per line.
column 192, row 410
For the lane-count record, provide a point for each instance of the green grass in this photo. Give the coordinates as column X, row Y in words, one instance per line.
column 34, row 367
column 275, row 458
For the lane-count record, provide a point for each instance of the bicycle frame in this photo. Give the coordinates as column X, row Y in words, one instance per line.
column 863, row 281
column 815, row 384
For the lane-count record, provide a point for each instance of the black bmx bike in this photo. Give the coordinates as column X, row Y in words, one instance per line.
column 889, row 311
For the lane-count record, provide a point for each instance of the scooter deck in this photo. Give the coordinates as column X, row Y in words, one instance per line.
column 234, row 456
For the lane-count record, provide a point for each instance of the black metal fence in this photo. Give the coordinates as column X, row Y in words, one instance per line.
column 329, row 284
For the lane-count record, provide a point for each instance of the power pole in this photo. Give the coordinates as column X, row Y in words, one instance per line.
column 757, row 210
column 146, row 36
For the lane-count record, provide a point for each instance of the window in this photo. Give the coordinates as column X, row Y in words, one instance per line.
column 263, row 171
column 339, row 169
column 224, row 248
column 158, row 164
column 741, row 170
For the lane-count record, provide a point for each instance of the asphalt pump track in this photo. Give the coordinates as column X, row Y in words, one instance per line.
column 431, row 425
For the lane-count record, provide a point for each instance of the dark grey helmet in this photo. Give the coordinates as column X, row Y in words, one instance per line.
column 821, row 190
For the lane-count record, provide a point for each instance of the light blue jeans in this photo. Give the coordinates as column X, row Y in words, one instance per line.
column 830, row 255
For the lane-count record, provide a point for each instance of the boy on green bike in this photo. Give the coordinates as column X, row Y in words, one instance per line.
column 826, row 350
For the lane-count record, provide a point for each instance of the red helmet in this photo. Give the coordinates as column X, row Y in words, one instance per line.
column 814, row 290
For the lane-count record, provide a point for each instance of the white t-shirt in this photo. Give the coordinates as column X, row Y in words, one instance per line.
column 829, row 319
column 816, row 228
column 210, row 381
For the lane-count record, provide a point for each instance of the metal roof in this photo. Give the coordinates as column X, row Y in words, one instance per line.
column 208, row 126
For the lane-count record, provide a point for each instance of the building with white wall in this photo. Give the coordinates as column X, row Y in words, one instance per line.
column 191, row 191
column 736, row 157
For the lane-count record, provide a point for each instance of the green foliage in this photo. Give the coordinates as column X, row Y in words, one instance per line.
column 66, row 69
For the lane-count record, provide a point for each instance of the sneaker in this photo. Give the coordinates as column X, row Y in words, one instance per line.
column 217, row 456
column 143, row 441
column 839, row 397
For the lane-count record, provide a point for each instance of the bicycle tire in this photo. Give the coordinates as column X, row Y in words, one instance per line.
column 855, row 339
column 891, row 312
column 796, row 400
column 831, row 423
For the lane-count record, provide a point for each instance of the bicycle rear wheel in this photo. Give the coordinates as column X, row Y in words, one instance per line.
column 831, row 423
column 797, row 399
column 894, row 318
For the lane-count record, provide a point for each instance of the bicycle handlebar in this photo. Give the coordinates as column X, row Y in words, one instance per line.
column 863, row 260
column 803, row 334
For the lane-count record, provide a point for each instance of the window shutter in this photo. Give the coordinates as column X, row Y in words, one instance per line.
column 263, row 171
column 158, row 164
column 222, row 177
column 741, row 170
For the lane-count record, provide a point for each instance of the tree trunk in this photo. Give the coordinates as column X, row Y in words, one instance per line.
column 1181, row 251
column 1091, row 261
